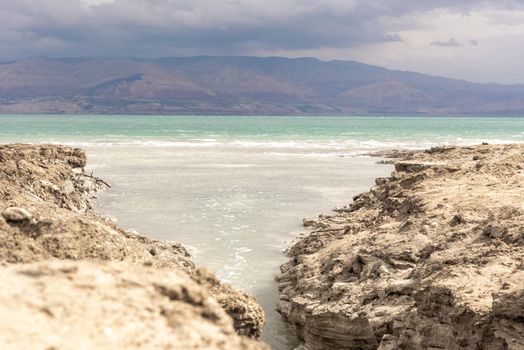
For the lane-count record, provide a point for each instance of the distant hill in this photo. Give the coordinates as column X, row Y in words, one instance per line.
column 240, row 85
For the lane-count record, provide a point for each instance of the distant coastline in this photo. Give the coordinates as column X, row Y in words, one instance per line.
column 66, row 112
column 208, row 85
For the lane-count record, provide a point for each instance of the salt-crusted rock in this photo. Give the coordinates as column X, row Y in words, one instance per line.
column 47, row 214
column 430, row 258
column 246, row 313
column 68, row 187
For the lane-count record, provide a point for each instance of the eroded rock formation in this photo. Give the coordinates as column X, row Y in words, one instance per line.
column 430, row 258
column 134, row 286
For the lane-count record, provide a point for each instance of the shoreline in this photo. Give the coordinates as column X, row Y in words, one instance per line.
column 429, row 258
column 395, row 269
column 257, row 198
column 55, row 247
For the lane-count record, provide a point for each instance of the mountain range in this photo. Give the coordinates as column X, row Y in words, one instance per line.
column 241, row 85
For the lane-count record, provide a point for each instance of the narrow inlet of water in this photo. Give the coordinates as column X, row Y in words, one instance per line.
column 237, row 209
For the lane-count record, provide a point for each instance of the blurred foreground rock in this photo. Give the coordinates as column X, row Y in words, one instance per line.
column 132, row 292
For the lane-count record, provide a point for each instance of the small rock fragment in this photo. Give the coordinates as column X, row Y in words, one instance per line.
column 16, row 214
column 457, row 220
column 68, row 187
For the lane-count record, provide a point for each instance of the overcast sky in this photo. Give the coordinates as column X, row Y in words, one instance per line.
column 475, row 40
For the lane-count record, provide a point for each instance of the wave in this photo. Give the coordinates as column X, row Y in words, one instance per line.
column 315, row 148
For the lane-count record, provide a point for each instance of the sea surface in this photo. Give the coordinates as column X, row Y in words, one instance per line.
column 234, row 189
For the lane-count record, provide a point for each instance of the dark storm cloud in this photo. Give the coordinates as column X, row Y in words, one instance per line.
column 171, row 27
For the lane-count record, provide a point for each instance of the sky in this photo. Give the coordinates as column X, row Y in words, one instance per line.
column 481, row 41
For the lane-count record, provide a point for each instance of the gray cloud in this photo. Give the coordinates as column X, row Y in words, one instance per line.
column 452, row 42
column 155, row 28
column 448, row 43
column 164, row 27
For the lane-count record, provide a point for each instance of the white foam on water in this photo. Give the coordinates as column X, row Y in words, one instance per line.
column 340, row 147
column 328, row 146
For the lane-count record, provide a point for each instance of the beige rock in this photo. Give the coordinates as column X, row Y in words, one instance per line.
column 430, row 258
column 39, row 222
column 16, row 214
column 95, row 305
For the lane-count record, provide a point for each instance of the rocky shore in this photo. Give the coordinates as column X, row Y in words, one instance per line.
column 73, row 279
column 430, row 258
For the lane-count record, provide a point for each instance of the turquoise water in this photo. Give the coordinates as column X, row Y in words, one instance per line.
column 234, row 190
column 361, row 132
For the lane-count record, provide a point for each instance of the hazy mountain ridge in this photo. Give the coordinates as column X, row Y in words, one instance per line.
column 240, row 85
